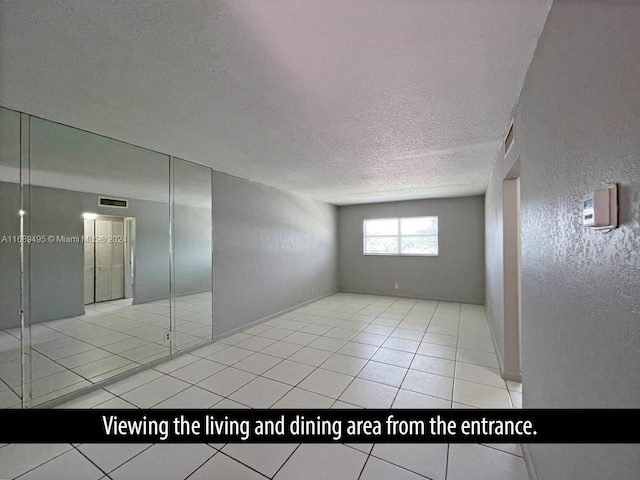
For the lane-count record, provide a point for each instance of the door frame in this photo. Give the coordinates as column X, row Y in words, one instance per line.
column 512, row 287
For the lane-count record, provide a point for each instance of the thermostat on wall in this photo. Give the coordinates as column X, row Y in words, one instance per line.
column 600, row 209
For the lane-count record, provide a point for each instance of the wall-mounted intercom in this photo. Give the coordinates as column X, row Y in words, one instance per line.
column 600, row 209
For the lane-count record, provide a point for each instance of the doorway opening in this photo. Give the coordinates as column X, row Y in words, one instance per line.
column 108, row 258
column 511, row 225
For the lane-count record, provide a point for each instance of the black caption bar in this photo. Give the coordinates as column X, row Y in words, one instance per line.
column 319, row 426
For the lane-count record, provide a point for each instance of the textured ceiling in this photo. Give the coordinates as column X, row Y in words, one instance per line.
column 344, row 101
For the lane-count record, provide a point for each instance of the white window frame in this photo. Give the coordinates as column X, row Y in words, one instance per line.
column 399, row 237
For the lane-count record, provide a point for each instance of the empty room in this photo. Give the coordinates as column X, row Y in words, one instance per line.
column 399, row 207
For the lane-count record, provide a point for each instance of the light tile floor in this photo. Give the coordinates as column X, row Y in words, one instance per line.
column 345, row 351
column 111, row 338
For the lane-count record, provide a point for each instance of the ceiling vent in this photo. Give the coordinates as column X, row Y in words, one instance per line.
column 113, row 202
column 508, row 141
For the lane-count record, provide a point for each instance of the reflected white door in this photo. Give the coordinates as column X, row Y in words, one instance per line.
column 117, row 259
column 109, row 248
column 88, row 262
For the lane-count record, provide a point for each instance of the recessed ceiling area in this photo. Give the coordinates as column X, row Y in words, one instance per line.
column 342, row 101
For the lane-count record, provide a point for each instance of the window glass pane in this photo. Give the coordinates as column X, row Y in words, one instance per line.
column 419, row 226
column 381, row 245
column 425, row 245
column 388, row 226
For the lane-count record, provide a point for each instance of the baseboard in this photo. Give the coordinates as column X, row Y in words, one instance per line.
column 418, row 297
column 528, row 461
column 228, row 333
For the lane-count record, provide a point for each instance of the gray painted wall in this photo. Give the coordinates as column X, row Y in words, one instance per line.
column 457, row 273
column 271, row 249
column 577, row 127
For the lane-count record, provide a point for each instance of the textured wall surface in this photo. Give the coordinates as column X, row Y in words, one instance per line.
column 272, row 251
column 457, row 273
column 577, row 128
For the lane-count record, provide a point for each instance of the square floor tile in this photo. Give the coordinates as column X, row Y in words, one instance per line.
column 266, row 458
column 383, row 373
column 359, row 350
column 429, row 384
column 344, row 364
column 440, row 366
column 226, row 381
column 260, row 393
column 435, row 350
column 368, row 394
column 289, row 372
column 323, row 462
column 324, row 382
column 479, row 395
column 176, row 363
column 483, row 463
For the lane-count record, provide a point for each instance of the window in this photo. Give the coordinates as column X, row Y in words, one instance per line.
column 401, row 236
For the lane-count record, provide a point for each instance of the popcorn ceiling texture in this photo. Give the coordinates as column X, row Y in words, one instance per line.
column 342, row 101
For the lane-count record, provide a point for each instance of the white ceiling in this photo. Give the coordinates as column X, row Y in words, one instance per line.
column 344, row 101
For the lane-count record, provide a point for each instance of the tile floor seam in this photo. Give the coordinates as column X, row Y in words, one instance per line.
column 221, row 452
column 91, row 461
column 215, row 452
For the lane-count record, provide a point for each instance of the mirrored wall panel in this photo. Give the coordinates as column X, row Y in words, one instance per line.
column 99, row 296
column 192, row 247
column 10, row 331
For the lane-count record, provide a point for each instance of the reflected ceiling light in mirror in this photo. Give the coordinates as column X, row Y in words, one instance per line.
column 89, row 216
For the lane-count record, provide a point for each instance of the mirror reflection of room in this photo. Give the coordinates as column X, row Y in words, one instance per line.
column 97, row 292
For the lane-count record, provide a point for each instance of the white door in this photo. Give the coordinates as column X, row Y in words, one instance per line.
column 103, row 261
column 88, row 262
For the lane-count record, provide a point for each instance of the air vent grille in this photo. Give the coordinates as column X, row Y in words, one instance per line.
column 113, row 202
